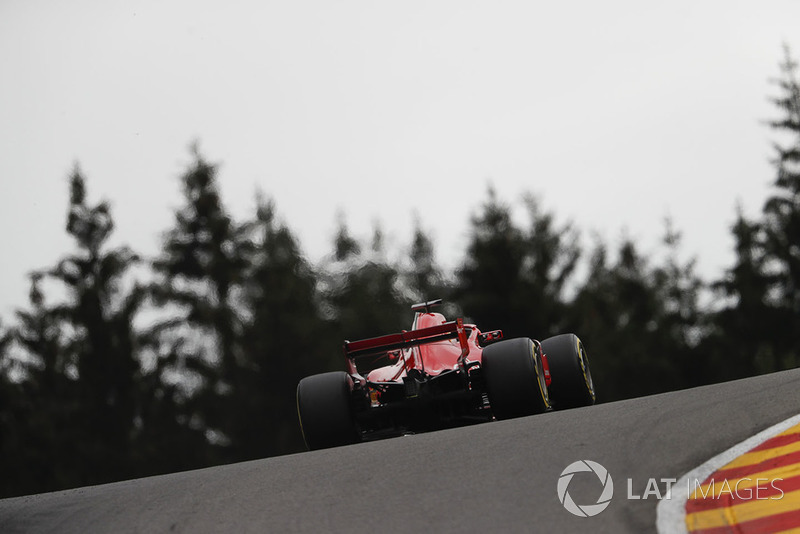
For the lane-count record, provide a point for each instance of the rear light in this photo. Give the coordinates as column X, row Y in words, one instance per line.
column 374, row 397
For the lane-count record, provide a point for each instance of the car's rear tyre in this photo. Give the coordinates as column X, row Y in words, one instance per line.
column 514, row 378
column 325, row 410
column 571, row 379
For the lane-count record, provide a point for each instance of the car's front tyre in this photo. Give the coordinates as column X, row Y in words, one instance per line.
column 571, row 379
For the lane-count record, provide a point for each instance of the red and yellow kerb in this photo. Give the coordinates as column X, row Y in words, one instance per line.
column 758, row 492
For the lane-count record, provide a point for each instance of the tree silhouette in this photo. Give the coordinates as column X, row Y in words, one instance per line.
column 423, row 276
column 284, row 339
column 197, row 276
column 489, row 278
column 637, row 320
column 361, row 289
column 83, row 370
column 782, row 220
column 515, row 279
column 738, row 343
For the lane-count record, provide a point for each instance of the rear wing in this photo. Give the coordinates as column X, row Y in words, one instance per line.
column 405, row 339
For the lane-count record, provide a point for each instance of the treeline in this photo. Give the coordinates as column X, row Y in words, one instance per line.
column 124, row 366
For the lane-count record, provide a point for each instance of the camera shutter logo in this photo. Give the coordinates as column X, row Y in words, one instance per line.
column 586, row 510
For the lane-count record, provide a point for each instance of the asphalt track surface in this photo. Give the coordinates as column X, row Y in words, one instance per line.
column 494, row 477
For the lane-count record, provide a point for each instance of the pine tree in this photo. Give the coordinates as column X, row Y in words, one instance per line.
column 682, row 323
column 362, row 289
column 423, row 276
column 82, row 384
column 738, row 342
column 101, row 312
column 488, row 280
column 515, row 279
column 638, row 322
column 46, row 446
column 551, row 257
column 284, row 337
column 782, row 220
column 344, row 245
column 198, row 275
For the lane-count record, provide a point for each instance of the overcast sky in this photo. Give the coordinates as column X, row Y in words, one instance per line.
column 616, row 114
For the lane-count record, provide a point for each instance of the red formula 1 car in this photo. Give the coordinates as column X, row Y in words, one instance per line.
column 440, row 374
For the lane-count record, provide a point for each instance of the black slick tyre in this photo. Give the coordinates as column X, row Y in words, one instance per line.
column 514, row 376
column 571, row 383
column 324, row 407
